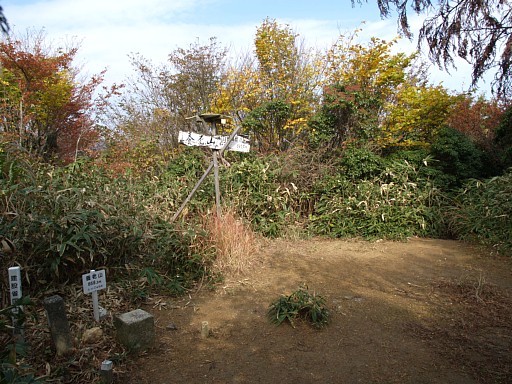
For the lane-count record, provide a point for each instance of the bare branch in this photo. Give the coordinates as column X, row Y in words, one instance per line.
column 475, row 30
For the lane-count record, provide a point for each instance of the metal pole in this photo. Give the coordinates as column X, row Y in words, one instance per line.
column 95, row 304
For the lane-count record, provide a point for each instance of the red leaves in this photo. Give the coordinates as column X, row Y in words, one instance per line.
column 43, row 102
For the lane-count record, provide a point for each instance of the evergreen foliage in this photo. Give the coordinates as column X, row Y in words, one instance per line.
column 458, row 157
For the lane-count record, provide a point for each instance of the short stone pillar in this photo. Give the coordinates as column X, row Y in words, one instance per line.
column 58, row 323
column 135, row 329
column 106, row 372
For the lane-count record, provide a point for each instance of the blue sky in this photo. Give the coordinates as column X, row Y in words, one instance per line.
column 109, row 30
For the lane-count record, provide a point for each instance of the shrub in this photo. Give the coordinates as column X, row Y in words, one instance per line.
column 257, row 190
column 482, row 211
column 458, row 157
column 68, row 220
column 395, row 204
column 13, row 348
column 503, row 138
column 360, row 163
column 300, row 304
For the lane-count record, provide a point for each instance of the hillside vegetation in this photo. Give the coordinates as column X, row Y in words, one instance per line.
column 351, row 142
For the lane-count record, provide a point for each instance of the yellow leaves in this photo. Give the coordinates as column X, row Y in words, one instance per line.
column 281, row 71
column 275, row 47
column 416, row 115
column 296, row 125
column 371, row 66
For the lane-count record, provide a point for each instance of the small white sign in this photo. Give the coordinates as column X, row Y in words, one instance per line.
column 192, row 139
column 94, row 281
column 15, row 284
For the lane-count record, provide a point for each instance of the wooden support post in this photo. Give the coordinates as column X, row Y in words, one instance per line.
column 217, row 184
column 191, row 194
column 213, row 164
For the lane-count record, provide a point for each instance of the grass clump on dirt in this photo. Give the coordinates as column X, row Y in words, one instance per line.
column 300, row 304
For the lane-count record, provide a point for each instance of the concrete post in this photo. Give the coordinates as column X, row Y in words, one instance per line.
column 58, row 323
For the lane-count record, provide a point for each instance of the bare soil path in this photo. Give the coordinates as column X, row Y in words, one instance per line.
column 422, row 311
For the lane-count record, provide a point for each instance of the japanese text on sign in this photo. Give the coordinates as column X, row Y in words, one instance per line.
column 191, row 139
column 94, row 281
column 15, row 284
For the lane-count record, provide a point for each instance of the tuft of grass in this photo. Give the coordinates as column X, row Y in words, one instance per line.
column 300, row 304
column 234, row 241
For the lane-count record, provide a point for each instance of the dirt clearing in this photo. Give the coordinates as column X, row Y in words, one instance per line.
column 422, row 311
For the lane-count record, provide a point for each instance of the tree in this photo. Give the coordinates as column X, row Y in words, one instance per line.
column 477, row 31
column 268, row 123
column 359, row 80
column 348, row 113
column 371, row 66
column 239, row 92
column 45, row 108
column 4, row 25
column 503, row 138
column 161, row 98
column 286, row 78
column 457, row 156
column 416, row 115
column 478, row 118
column 282, row 75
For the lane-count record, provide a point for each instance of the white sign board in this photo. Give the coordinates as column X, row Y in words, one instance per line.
column 238, row 144
column 15, row 284
column 94, row 281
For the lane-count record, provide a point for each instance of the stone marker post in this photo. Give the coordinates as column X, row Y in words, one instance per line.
column 58, row 323
column 135, row 329
column 106, row 371
column 205, row 330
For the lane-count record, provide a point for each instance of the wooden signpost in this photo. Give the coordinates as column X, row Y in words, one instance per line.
column 192, row 139
column 218, row 144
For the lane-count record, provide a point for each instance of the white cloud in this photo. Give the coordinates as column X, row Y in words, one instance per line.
column 109, row 30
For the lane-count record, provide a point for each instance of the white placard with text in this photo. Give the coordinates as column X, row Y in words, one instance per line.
column 94, row 281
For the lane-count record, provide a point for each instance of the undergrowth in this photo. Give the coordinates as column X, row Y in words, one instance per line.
column 64, row 221
column 482, row 211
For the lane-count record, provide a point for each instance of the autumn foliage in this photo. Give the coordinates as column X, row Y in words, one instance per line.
column 477, row 119
column 46, row 110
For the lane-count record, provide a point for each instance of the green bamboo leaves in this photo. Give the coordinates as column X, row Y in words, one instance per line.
column 300, row 304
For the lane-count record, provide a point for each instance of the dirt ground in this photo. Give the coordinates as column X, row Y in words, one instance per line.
column 422, row 311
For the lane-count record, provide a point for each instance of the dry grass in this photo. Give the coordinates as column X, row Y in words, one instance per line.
column 235, row 243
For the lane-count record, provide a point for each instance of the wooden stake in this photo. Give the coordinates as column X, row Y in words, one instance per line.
column 191, row 194
column 217, row 184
